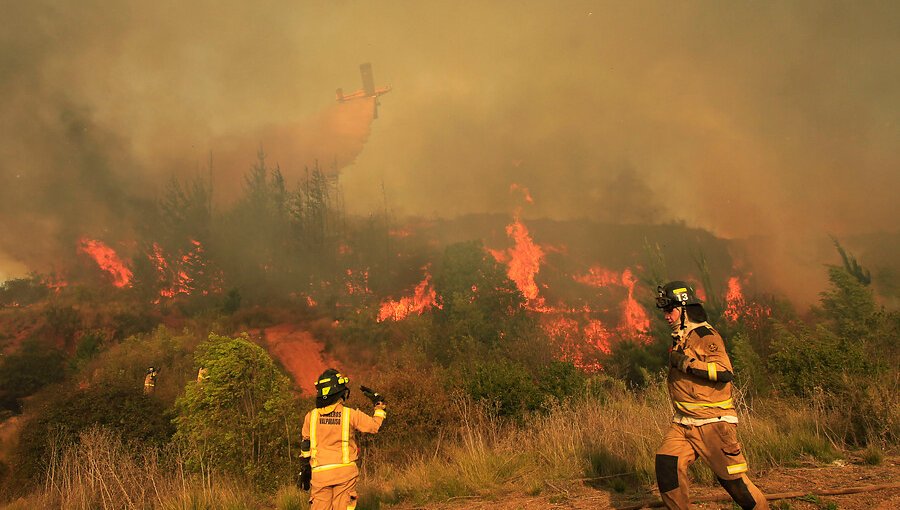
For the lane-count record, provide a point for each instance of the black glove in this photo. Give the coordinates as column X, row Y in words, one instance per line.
column 305, row 473
column 374, row 396
column 679, row 360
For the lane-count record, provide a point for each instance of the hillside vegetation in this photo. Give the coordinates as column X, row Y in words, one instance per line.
column 485, row 396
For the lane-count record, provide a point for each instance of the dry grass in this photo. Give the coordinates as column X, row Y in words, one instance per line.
column 100, row 472
column 609, row 441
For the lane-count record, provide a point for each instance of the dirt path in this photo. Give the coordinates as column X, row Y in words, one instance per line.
column 298, row 351
column 577, row 495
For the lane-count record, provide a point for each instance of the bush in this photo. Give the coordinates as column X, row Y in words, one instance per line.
column 408, row 384
column 63, row 322
column 23, row 291
column 24, row 373
column 135, row 417
column 560, row 380
column 505, row 385
column 241, row 419
column 834, row 361
column 635, row 362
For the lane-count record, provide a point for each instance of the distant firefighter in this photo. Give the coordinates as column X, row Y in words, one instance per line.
column 329, row 451
column 150, row 380
column 201, row 375
column 705, row 421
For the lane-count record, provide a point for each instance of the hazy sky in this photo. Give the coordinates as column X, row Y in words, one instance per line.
column 745, row 118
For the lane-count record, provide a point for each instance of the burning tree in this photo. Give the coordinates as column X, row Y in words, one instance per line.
column 480, row 305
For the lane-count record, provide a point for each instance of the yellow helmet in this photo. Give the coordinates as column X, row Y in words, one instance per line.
column 331, row 386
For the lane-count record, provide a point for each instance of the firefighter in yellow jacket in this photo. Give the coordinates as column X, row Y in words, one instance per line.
column 705, row 421
column 329, row 451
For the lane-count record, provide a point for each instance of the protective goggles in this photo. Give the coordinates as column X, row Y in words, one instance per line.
column 665, row 303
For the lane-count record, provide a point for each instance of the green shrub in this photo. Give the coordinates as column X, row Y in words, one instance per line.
column 505, row 385
column 241, row 419
column 407, row 385
column 25, row 372
column 134, row 416
column 62, row 322
column 634, row 362
column 873, row 455
column 23, row 291
column 560, row 380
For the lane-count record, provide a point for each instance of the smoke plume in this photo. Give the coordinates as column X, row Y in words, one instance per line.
column 769, row 121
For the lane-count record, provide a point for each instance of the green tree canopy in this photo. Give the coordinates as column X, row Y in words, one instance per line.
column 480, row 304
column 240, row 419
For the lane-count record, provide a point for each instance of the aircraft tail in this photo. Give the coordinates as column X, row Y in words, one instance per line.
column 368, row 81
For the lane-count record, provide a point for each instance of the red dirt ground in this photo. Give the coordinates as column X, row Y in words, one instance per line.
column 298, row 351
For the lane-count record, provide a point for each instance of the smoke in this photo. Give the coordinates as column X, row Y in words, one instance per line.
column 767, row 120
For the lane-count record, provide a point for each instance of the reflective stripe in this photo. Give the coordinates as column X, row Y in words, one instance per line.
column 737, row 468
column 687, row 406
column 313, row 441
column 380, row 413
column 326, row 467
column 351, row 505
column 345, row 439
column 711, row 370
column 345, row 435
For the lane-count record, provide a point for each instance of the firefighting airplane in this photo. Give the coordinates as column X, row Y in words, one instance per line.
column 368, row 89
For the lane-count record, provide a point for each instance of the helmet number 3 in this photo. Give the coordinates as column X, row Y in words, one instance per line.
column 683, row 297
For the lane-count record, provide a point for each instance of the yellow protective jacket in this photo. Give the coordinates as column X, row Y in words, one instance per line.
column 698, row 392
column 332, row 448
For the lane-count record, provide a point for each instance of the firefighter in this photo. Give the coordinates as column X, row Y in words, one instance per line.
column 150, row 380
column 705, row 421
column 329, row 451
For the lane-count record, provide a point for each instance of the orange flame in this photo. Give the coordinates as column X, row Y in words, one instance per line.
column 424, row 298
column 734, row 298
column 579, row 346
column 525, row 260
column 179, row 277
column 108, row 261
column 399, row 232
column 737, row 307
column 54, row 282
column 634, row 318
column 357, row 283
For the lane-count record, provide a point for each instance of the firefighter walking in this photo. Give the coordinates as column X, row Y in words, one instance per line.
column 329, row 450
column 705, row 421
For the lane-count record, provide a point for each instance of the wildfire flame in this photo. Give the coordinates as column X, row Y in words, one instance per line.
column 737, row 307
column 578, row 345
column 179, row 277
column 635, row 317
column 424, row 298
column 734, row 298
column 635, row 320
column 525, row 259
column 357, row 283
column 107, row 259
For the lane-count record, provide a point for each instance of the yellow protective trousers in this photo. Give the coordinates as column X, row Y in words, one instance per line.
column 339, row 496
column 716, row 443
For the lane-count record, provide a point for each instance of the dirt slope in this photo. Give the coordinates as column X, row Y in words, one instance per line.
column 298, row 351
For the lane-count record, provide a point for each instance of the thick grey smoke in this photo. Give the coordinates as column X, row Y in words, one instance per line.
column 764, row 119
